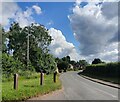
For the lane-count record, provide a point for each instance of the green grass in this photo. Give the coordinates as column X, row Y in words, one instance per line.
column 29, row 88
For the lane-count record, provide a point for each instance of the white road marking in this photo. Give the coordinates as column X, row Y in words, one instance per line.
column 106, row 92
column 100, row 90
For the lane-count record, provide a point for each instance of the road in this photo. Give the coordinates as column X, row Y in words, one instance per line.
column 76, row 87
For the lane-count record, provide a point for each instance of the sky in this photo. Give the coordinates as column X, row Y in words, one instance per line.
column 80, row 29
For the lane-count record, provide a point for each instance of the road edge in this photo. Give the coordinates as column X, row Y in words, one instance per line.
column 101, row 82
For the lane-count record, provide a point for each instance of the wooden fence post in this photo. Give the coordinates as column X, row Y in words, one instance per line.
column 41, row 78
column 16, row 81
column 54, row 77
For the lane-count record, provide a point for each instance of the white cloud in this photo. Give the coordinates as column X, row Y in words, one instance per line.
column 96, row 29
column 50, row 23
column 60, row 47
column 24, row 17
column 110, row 53
column 37, row 9
column 8, row 12
column 12, row 12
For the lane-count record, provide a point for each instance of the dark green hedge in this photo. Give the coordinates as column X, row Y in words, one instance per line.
column 104, row 70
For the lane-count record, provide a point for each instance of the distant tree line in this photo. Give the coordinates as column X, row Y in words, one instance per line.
column 66, row 63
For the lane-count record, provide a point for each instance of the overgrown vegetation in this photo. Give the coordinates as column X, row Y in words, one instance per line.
column 108, row 71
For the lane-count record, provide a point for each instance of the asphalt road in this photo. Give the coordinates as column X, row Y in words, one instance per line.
column 76, row 87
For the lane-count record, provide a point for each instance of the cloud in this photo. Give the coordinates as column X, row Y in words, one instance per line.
column 50, row 23
column 60, row 47
column 8, row 12
column 37, row 9
column 108, row 6
column 110, row 54
column 12, row 12
column 95, row 28
column 24, row 17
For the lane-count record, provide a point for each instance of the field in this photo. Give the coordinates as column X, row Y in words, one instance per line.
column 29, row 88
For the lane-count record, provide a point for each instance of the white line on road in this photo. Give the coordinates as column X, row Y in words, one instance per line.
column 100, row 90
column 106, row 92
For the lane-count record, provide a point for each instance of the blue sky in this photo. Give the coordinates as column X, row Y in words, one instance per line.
column 57, row 13
column 89, row 32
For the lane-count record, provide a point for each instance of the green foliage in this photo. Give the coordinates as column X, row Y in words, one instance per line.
column 49, row 64
column 63, row 66
column 29, row 87
column 66, row 59
column 39, row 40
column 104, row 70
column 10, row 65
column 83, row 63
column 63, row 63
column 73, row 63
column 96, row 61
column 66, row 63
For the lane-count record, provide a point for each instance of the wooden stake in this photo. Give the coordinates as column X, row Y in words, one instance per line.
column 54, row 77
column 41, row 78
column 15, row 81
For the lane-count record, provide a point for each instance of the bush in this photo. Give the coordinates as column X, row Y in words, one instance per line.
column 104, row 70
column 10, row 65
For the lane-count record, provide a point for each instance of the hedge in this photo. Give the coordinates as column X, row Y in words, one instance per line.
column 104, row 70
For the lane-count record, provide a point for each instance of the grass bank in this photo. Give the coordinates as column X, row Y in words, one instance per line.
column 28, row 88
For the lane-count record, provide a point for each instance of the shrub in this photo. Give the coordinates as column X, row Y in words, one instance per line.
column 10, row 65
column 104, row 70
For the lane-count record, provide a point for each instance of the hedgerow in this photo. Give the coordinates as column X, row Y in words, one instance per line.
column 104, row 70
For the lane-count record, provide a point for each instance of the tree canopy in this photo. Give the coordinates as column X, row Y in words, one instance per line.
column 39, row 40
column 96, row 61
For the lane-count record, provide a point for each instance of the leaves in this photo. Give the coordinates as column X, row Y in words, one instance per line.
column 10, row 65
column 39, row 40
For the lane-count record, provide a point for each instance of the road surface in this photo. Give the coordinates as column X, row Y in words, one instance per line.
column 76, row 87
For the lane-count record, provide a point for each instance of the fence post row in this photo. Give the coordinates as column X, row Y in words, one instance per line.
column 16, row 81
column 41, row 79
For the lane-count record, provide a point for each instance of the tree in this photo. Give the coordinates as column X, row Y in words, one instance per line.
column 10, row 65
column 62, row 66
column 83, row 63
column 39, row 40
column 73, row 62
column 66, row 59
column 57, row 60
column 96, row 61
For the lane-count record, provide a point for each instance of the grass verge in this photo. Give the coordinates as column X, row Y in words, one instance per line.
column 28, row 88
